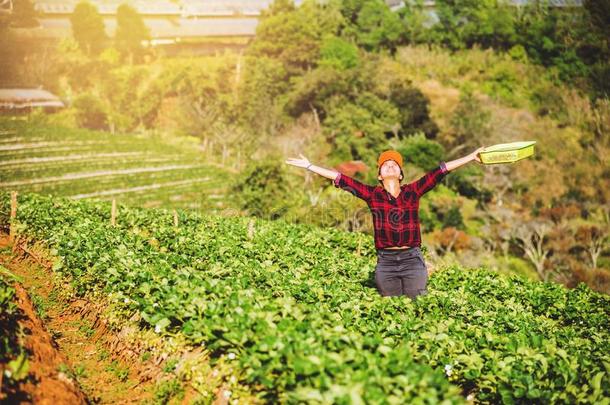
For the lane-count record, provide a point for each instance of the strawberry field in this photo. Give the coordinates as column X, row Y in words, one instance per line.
column 296, row 311
column 141, row 170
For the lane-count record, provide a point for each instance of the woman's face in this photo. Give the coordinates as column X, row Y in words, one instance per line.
column 389, row 169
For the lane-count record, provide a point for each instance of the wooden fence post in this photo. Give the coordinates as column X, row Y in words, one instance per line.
column 13, row 216
column 113, row 213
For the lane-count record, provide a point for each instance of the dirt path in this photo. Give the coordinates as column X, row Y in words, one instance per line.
column 49, row 382
column 70, row 355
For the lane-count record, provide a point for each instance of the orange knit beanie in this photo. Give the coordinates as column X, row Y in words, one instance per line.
column 389, row 155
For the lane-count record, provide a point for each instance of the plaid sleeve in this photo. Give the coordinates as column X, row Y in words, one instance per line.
column 429, row 180
column 358, row 189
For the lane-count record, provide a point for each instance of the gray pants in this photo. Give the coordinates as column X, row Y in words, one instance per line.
column 401, row 272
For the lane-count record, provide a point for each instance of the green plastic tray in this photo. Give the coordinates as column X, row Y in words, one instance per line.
column 507, row 152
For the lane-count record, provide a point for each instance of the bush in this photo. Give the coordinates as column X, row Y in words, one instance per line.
column 423, row 153
column 90, row 112
column 263, row 189
column 360, row 130
column 467, row 182
column 470, row 120
column 338, row 54
column 414, row 109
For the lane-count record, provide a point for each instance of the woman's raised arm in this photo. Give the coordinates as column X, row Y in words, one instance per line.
column 306, row 164
column 474, row 156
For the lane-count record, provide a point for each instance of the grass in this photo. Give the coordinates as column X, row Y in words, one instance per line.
column 120, row 372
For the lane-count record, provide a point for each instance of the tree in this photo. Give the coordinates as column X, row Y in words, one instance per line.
column 464, row 23
column 263, row 80
column 531, row 238
column 279, row 6
column 338, row 54
column 88, row 28
column 599, row 14
column 90, row 112
column 422, row 152
column 594, row 240
column 414, row 109
column 313, row 90
column 378, row 27
column 470, row 121
column 372, row 24
column 415, row 22
column 294, row 37
column 130, row 33
column 599, row 18
column 359, row 130
column 450, row 239
column 263, row 188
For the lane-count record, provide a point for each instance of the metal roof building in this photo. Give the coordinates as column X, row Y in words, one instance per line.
column 18, row 100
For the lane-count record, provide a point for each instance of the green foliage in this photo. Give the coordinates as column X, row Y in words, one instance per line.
column 264, row 79
column 570, row 40
column 132, row 98
column 8, row 312
column 377, row 27
column 294, row 38
column 415, row 22
column 13, row 356
column 167, row 390
column 420, row 151
column 263, row 189
column 470, row 120
column 501, row 84
column 18, row 368
column 88, row 28
column 171, row 171
column 120, row 372
column 489, row 23
column 297, row 307
column 130, row 32
column 468, row 182
column 515, row 265
column 414, row 109
column 90, row 111
column 317, row 88
column 336, row 53
column 371, row 24
column 360, row 130
column 599, row 14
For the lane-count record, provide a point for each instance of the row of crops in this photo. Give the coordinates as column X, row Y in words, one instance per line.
column 13, row 356
column 137, row 170
column 296, row 310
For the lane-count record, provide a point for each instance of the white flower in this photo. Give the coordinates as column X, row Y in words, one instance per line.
column 155, row 305
column 214, row 373
column 157, row 329
column 448, row 370
column 470, row 397
column 126, row 301
column 231, row 356
column 227, row 394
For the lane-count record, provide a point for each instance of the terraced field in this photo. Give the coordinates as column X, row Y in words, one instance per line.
column 148, row 171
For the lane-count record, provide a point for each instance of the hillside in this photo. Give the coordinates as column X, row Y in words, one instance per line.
column 290, row 313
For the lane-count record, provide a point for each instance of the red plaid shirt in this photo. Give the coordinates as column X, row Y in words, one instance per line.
column 396, row 220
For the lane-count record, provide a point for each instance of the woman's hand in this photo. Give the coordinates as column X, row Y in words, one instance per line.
column 301, row 162
column 475, row 155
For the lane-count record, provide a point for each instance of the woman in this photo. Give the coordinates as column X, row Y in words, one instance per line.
column 400, row 269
